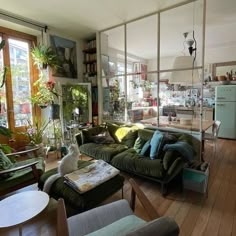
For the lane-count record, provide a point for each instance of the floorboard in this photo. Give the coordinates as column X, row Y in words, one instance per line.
column 195, row 213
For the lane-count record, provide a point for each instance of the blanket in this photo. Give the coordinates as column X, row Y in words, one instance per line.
column 91, row 176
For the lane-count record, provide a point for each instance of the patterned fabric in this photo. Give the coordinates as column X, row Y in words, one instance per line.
column 5, row 162
column 91, row 176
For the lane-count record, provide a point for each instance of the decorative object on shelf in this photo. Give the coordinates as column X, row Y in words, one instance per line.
column 65, row 50
column 44, row 56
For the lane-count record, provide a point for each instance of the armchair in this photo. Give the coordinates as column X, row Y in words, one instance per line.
column 116, row 218
column 20, row 173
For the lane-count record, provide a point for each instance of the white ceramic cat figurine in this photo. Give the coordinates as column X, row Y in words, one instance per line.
column 68, row 164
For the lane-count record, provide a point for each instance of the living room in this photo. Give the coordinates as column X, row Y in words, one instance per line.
column 123, row 60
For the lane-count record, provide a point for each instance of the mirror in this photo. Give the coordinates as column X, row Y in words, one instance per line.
column 222, row 68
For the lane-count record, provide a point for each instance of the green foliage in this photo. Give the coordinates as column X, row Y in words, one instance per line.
column 7, row 133
column 46, row 91
column 3, row 74
column 43, row 56
column 35, row 132
column 74, row 96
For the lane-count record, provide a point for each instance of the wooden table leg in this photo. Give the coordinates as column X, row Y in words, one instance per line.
column 20, row 229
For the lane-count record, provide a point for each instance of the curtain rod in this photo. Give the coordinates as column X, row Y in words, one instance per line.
column 18, row 19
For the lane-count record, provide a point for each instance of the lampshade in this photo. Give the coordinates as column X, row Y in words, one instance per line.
column 184, row 77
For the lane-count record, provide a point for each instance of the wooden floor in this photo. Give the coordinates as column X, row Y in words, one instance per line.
column 194, row 213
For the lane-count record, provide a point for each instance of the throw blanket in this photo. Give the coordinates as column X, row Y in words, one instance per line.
column 91, row 176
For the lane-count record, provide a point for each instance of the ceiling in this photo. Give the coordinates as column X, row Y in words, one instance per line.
column 80, row 19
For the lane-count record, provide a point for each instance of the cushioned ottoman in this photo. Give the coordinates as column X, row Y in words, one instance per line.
column 75, row 202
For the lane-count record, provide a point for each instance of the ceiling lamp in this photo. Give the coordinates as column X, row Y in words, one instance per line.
column 184, row 73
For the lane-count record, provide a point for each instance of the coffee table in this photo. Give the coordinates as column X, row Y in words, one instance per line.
column 21, row 207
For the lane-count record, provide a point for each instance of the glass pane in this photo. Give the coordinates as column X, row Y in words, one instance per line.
column 20, row 73
column 142, row 44
column 3, row 104
column 174, row 42
column 112, row 50
column 114, row 99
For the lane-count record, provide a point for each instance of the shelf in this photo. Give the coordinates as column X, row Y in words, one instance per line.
column 90, row 62
column 90, row 73
column 90, row 50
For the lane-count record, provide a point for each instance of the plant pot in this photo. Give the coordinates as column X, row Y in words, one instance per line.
column 43, row 106
column 55, row 111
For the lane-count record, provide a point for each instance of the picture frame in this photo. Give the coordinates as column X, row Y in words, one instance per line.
column 66, row 53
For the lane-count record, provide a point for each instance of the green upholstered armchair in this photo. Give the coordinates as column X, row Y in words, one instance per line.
column 18, row 174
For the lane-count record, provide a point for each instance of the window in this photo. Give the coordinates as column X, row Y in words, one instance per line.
column 15, row 93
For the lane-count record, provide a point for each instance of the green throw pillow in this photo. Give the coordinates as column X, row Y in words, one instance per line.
column 138, row 145
column 5, row 162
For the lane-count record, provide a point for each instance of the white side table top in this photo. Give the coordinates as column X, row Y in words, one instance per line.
column 21, row 207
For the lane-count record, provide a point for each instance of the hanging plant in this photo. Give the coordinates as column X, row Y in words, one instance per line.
column 44, row 56
column 46, row 91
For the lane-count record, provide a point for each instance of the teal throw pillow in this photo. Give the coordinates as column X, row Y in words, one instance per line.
column 139, row 142
column 156, row 142
column 183, row 148
column 5, row 162
column 146, row 148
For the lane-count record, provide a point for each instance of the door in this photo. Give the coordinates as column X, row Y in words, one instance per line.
column 15, row 103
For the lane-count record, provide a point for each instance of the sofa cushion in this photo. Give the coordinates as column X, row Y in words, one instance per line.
column 21, row 176
column 130, row 161
column 125, row 135
column 145, row 151
column 88, row 134
column 182, row 148
column 102, row 151
column 5, row 162
column 156, row 142
column 139, row 142
column 103, row 138
column 120, row 227
column 130, row 137
column 145, row 134
column 169, row 158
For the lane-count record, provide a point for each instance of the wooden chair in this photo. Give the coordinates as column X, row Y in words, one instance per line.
column 212, row 137
column 116, row 218
column 22, row 173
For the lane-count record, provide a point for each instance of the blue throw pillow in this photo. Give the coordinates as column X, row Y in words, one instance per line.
column 145, row 149
column 183, row 148
column 156, row 142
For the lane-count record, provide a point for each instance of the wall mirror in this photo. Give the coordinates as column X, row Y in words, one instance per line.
column 222, row 68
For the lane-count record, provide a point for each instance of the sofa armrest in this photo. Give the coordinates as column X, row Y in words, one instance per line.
column 176, row 167
column 163, row 226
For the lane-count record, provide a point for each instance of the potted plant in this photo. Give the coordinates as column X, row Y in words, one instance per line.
column 44, row 56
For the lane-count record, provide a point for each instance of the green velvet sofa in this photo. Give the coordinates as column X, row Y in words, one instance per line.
column 126, row 151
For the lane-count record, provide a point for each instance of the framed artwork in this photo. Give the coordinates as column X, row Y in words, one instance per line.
column 66, row 52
